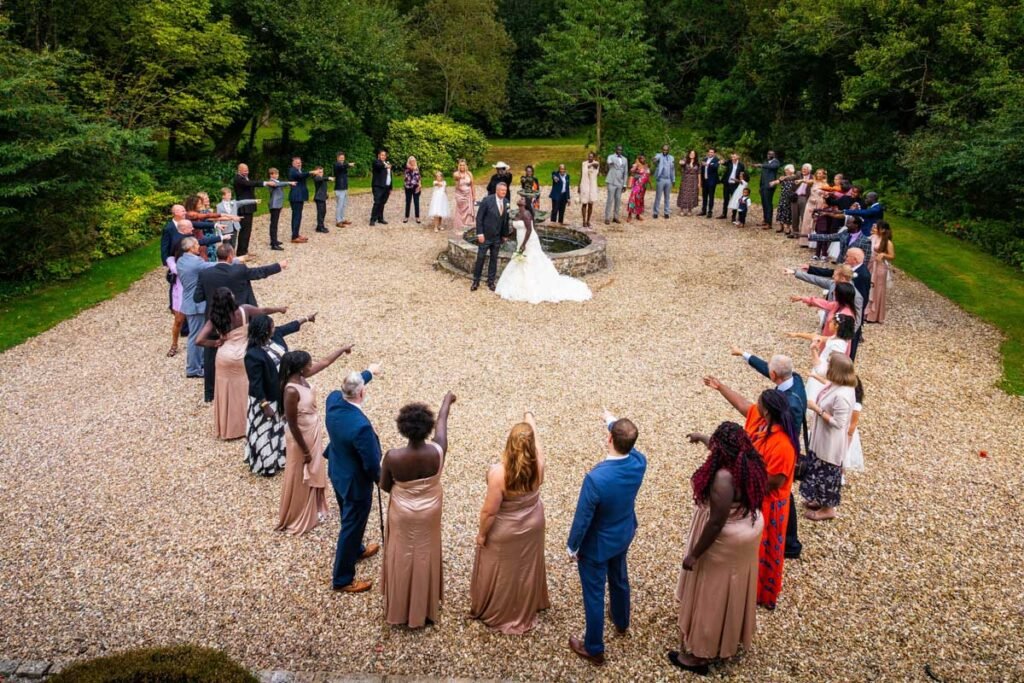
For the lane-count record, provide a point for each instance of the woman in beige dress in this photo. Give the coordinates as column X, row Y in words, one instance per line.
column 464, row 215
column 230, row 322
column 882, row 254
column 717, row 590
column 509, row 583
column 588, row 187
column 815, row 200
column 303, row 500
column 411, row 573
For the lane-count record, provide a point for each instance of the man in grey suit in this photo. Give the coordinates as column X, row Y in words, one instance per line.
column 664, row 179
column 189, row 266
column 615, row 180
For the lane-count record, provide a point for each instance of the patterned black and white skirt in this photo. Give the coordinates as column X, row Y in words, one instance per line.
column 264, row 440
column 822, row 482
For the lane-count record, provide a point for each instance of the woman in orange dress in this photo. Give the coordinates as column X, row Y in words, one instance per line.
column 769, row 424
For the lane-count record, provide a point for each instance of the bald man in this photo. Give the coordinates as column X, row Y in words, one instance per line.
column 245, row 188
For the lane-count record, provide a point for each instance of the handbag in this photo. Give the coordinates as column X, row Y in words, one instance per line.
column 804, row 462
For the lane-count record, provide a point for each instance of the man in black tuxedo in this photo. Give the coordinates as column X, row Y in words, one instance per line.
column 708, row 182
column 769, row 173
column 730, row 180
column 237, row 277
column 381, row 184
column 492, row 229
column 244, row 187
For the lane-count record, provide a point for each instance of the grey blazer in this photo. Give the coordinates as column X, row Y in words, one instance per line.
column 277, row 193
column 618, row 168
column 189, row 266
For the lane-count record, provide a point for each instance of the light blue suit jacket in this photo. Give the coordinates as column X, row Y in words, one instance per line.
column 189, row 267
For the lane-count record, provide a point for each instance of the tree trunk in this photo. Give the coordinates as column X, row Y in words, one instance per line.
column 254, row 125
column 286, row 139
column 226, row 146
column 598, row 127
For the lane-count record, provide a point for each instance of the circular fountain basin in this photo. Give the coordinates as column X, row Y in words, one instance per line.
column 573, row 251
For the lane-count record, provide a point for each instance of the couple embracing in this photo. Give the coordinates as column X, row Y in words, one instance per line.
column 530, row 275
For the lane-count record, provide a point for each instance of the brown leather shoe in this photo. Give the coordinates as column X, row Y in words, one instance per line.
column 346, row 222
column 356, row 587
column 370, row 551
column 300, row 240
column 576, row 645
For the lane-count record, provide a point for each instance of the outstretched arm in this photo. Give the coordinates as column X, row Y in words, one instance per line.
column 329, row 359
column 732, row 396
column 441, row 428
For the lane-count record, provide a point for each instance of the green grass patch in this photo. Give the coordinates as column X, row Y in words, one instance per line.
column 979, row 283
column 30, row 314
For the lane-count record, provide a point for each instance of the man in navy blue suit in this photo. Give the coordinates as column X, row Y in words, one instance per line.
column 353, row 465
column 708, row 182
column 602, row 530
column 559, row 195
column 780, row 371
column 297, row 197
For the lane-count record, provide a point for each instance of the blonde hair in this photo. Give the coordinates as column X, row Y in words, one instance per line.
column 438, row 175
column 822, row 172
column 520, row 460
column 412, row 163
column 840, row 370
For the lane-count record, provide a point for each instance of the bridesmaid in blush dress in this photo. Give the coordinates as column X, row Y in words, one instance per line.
column 412, row 573
column 464, row 215
column 882, row 254
column 303, row 501
column 509, row 583
column 231, row 388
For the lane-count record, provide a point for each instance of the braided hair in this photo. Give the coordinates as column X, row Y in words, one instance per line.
column 732, row 450
column 292, row 363
column 777, row 412
column 259, row 330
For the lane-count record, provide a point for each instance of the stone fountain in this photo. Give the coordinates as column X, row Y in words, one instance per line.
column 574, row 251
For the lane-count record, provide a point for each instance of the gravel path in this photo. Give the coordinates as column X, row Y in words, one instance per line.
column 125, row 523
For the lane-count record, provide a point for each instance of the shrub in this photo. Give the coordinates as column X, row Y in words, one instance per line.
column 129, row 223
column 436, row 141
column 1002, row 239
column 184, row 178
column 323, row 147
column 158, row 665
column 638, row 131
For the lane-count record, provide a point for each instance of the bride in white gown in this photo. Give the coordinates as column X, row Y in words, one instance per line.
column 530, row 275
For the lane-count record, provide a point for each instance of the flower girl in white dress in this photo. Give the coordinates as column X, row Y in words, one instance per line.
column 854, row 453
column 439, row 209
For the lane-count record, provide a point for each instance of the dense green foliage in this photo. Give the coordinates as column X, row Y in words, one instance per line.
column 158, row 665
column 110, row 101
column 437, row 142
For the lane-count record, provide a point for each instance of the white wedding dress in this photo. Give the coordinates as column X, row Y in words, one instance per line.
column 534, row 278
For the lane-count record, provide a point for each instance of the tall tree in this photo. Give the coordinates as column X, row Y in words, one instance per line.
column 598, row 56
column 462, row 52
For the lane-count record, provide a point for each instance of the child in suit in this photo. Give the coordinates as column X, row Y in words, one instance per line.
column 742, row 205
column 276, row 204
column 230, row 206
column 320, row 197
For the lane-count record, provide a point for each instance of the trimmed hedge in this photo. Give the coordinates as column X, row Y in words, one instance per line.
column 437, row 142
column 182, row 664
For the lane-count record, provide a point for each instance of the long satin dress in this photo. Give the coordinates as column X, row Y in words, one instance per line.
column 875, row 312
column 718, row 599
column 303, row 497
column 509, row 584
column 462, row 217
column 815, row 200
column 411, row 573
column 231, row 384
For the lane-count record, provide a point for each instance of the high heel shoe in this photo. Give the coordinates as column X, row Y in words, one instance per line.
column 699, row 669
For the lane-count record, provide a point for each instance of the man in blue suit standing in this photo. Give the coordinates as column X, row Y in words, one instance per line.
column 353, row 465
column 559, row 195
column 297, row 197
column 601, row 533
column 780, row 371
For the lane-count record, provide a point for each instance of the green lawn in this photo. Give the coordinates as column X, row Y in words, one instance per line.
column 31, row 314
column 978, row 283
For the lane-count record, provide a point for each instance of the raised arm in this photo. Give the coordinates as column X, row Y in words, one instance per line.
column 732, row 396
column 261, row 272
column 441, row 427
column 329, row 359
column 262, row 310
column 492, row 503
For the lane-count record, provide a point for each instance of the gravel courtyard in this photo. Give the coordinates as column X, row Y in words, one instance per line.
column 125, row 523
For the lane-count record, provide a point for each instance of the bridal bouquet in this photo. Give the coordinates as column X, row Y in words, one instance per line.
column 518, row 256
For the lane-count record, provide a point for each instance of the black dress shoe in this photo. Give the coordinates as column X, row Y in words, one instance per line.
column 475, row 286
column 372, row 223
column 699, row 669
column 491, row 286
column 276, row 247
column 322, row 230
column 382, row 221
column 792, row 555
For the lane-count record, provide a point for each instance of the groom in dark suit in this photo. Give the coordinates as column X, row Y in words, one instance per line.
column 492, row 229
column 602, row 530
column 353, row 465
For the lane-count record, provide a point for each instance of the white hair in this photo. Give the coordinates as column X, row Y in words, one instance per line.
column 188, row 243
column 352, row 385
column 806, row 167
column 790, row 169
column 782, row 366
